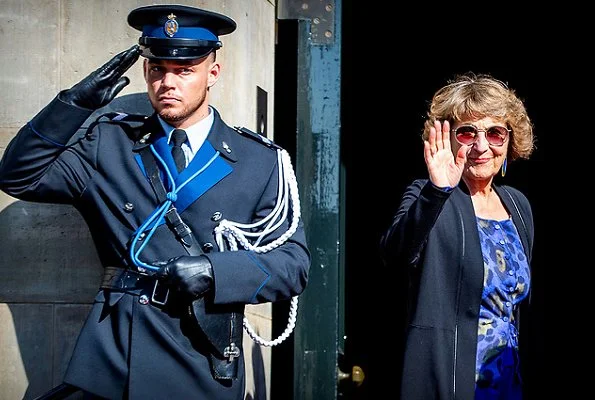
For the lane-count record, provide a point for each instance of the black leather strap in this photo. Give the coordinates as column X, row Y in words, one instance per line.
column 124, row 279
column 129, row 281
column 153, row 173
column 174, row 221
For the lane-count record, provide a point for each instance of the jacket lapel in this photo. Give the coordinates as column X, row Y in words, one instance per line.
column 206, row 169
column 511, row 204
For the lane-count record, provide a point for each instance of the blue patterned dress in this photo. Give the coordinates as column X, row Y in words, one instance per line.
column 506, row 284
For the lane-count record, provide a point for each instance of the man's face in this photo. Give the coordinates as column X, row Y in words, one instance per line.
column 178, row 89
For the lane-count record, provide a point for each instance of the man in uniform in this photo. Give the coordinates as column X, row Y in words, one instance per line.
column 192, row 219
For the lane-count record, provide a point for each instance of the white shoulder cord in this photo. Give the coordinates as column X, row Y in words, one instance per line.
column 234, row 232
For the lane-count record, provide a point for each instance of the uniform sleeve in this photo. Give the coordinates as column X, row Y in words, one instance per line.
column 34, row 166
column 251, row 277
column 420, row 206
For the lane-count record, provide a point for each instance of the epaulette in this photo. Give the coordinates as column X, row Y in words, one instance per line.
column 120, row 116
column 123, row 120
column 253, row 135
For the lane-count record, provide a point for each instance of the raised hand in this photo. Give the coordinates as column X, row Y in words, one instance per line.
column 444, row 168
column 102, row 85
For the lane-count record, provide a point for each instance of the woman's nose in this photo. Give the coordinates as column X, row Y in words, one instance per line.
column 481, row 143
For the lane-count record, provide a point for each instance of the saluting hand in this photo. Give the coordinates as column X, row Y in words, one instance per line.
column 444, row 168
column 101, row 86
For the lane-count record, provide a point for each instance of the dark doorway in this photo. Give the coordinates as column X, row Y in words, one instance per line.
column 282, row 358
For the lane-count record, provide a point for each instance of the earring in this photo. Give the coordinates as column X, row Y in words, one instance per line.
column 504, row 164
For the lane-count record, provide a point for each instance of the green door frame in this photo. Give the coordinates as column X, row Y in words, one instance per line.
column 319, row 326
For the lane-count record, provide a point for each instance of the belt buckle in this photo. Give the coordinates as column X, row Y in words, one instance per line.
column 156, row 298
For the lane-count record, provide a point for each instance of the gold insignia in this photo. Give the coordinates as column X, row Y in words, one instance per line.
column 171, row 25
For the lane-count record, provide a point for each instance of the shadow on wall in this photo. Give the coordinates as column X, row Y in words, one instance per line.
column 50, row 275
column 260, row 388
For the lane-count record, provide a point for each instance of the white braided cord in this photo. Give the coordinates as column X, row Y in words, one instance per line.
column 234, row 232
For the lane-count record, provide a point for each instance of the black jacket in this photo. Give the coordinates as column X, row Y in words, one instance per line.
column 434, row 234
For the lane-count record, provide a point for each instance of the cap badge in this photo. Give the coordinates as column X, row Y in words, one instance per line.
column 171, row 25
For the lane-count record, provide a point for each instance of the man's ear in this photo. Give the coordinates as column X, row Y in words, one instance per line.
column 214, row 71
column 145, row 68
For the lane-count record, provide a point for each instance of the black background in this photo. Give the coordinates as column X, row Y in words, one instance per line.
column 391, row 65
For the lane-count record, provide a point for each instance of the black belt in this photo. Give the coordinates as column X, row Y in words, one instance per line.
column 126, row 280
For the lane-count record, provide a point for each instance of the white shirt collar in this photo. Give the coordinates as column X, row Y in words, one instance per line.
column 197, row 133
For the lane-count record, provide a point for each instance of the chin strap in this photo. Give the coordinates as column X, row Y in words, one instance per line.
column 250, row 235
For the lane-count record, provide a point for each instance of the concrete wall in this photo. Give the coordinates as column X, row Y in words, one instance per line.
column 49, row 267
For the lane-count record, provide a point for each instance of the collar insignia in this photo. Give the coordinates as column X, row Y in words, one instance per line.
column 145, row 138
column 226, row 147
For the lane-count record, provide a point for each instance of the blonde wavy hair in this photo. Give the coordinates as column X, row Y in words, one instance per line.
column 475, row 96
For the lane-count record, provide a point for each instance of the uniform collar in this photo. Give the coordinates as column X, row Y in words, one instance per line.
column 220, row 136
column 197, row 133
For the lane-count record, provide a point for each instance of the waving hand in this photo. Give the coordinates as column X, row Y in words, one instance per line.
column 444, row 168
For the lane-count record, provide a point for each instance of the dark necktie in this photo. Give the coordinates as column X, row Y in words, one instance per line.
column 178, row 137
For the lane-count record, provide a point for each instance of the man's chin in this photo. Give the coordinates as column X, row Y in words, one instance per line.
column 169, row 115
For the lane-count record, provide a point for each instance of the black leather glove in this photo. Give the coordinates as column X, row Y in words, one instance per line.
column 192, row 275
column 101, row 86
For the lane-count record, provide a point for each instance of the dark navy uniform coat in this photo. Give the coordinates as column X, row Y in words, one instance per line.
column 141, row 351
